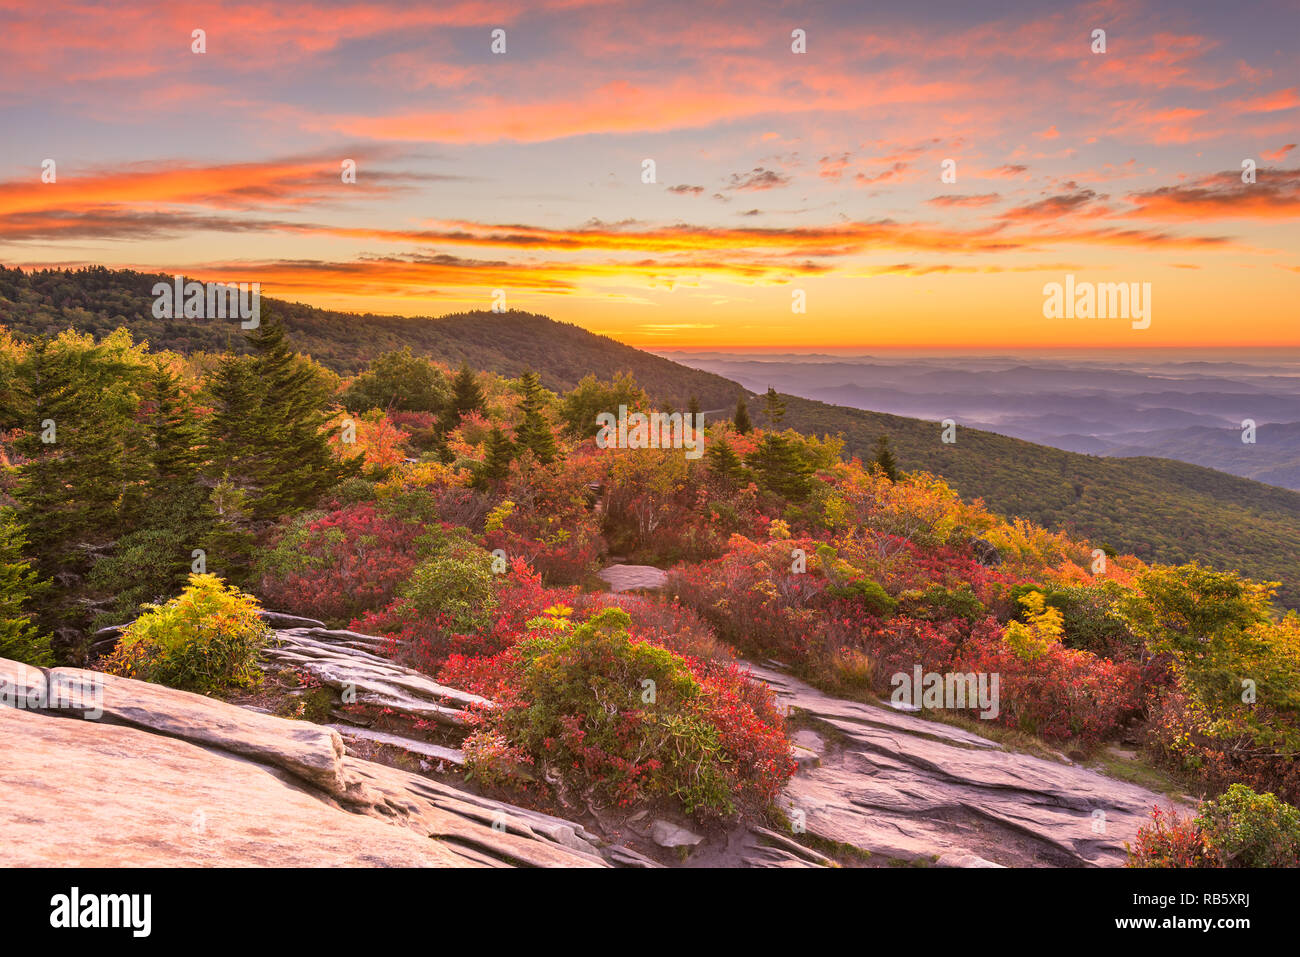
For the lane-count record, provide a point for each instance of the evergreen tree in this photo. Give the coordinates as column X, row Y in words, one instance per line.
column 496, row 462
column 884, row 459
column 725, row 463
column 232, row 443
column 534, row 432
column 20, row 640
column 782, row 467
column 77, row 490
column 774, row 406
column 693, row 408
column 466, row 397
column 173, row 490
column 153, row 562
column 268, row 432
column 741, row 418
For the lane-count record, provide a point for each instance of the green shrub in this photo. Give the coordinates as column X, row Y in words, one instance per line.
column 1239, row 829
column 146, row 566
column 1245, row 829
column 206, row 639
column 867, row 592
column 626, row 721
column 848, row 582
column 455, row 584
column 937, row 603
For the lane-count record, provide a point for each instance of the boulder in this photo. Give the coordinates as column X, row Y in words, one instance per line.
column 667, row 834
column 986, row 553
column 621, row 578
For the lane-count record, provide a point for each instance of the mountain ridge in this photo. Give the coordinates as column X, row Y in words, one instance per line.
column 1158, row 509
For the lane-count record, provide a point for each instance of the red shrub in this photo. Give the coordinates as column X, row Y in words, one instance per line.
column 340, row 564
column 1064, row 694
column 1168, row 841
column 425, row 643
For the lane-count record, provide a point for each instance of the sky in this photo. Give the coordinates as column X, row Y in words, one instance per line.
column 780, row 179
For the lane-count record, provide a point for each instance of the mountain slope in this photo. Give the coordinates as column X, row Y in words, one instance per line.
column 99, row 300
column 1155, row 508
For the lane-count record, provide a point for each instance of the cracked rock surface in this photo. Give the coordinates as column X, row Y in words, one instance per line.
column 897, row 785
column 169, row 778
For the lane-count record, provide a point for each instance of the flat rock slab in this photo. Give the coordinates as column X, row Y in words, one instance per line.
column 79, row 794
column 351, row 662
column 425, row 749
column 621, row 578
column 168, row 778
column 896, row 785
column 309, row 751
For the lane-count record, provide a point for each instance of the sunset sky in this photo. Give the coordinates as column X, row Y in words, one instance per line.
column 775, row 170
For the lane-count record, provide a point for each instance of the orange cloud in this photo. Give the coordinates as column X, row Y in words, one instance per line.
column 1275, row 194
column 1269, row 102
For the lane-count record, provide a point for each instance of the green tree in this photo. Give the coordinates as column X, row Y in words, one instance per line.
column 1219, row 630
column 499, row 453
column 398, row 381
column 725, row 463
column 20, row 640
column 82, row 445
column 173, row 491
column 534, row 431
column 466, row 397
column 773, row 406
column 741, row 419
column 269, row 431
column 884, row 459
column 591, row 397
column 782, row 466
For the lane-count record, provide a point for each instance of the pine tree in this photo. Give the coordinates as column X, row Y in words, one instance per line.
column 499, row 453
column 534, row 431
column 725, row 463
column 82, row 445
column 741, row 418
column 466, row 397
column 693, row 408
column 884, row 459
column 175, row 496
column 268, row 430
column 20, row 640
column 774, row 406
column 782, row 467
column 176, row 515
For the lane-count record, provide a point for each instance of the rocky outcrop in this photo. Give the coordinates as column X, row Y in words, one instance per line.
column 986, row 553
column 624, row 578
column 163, row 777
column 353, row 665
column 900, row 787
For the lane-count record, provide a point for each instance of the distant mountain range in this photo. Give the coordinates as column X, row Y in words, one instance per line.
column 1158, row 509
column 1127, row 404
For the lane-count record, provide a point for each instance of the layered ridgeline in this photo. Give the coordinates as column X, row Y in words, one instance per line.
column 1157, row 509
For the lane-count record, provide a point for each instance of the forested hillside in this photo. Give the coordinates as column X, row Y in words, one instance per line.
column 1157, row 509
column 99, row 300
